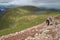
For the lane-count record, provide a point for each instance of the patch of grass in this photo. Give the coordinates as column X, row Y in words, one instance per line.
column 25, row 22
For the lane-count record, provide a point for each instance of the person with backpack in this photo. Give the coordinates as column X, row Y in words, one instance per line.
column 47, row 22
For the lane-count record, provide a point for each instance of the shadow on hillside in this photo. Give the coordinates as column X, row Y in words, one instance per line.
column 3, row 27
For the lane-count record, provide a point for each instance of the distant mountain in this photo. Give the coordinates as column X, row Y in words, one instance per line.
column 31, row 8
column 12, row 16
column 23, row 9
column 4, row 8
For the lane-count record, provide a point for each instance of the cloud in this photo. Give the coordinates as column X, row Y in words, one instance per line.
column 30, row 2
column 45, row 3
column 4, row 1
column 22, row 2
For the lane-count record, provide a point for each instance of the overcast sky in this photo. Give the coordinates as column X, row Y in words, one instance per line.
column 47, row 3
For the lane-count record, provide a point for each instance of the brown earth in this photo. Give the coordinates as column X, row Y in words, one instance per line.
column 23, row 34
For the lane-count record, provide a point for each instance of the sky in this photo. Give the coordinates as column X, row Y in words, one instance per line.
column 45, row 3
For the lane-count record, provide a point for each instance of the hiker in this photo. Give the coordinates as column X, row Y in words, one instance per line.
column 47, row 22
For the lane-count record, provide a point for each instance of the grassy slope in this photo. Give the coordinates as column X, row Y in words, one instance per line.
column 18, row 19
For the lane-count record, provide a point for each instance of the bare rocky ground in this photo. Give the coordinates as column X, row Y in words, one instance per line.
column 39, row 32
column 49, row 33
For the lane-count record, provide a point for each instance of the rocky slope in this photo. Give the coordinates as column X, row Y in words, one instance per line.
column 50, row 33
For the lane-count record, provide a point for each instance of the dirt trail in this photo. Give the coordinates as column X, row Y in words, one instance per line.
column 24, row 34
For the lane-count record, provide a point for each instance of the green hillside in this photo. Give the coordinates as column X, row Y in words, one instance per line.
column 21, row 18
